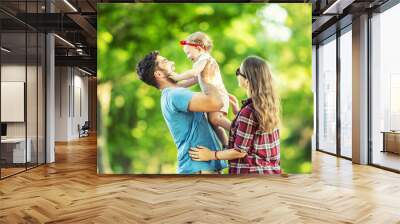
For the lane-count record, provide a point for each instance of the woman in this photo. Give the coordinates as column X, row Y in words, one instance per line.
column 254, row 135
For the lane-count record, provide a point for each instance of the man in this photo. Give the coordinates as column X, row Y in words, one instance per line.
column 183, row 110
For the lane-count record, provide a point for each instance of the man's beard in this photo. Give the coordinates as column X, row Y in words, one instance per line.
column 171, row 80
column 167, row 76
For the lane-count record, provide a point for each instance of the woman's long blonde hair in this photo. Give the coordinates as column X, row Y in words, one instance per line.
column 266, row 101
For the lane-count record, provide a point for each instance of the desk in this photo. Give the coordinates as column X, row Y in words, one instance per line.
column 16, row 148
column 391, row 141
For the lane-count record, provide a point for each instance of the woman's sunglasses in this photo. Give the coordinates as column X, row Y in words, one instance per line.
column 239, row 73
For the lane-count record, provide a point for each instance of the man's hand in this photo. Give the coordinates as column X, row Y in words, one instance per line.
column 206, row 74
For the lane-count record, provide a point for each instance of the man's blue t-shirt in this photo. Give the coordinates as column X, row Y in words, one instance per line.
column 189, row 129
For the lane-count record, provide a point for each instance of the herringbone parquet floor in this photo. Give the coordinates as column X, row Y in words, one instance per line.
column 70, row 191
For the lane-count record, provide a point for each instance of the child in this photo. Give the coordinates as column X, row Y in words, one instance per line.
column 197, row 47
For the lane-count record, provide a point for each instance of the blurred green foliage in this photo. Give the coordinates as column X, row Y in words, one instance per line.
column 134, row 137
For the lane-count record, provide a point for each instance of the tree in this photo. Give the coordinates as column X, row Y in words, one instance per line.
column 137, row 139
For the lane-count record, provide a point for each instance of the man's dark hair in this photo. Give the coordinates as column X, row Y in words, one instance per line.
column 146, row 68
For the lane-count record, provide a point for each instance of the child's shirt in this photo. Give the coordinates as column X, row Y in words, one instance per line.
column 215, row 79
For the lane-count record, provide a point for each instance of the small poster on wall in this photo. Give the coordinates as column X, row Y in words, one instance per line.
column 12, row 101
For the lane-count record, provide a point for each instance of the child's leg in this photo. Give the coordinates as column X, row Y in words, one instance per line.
column 224, row 122
column 217, row 119
column 222, row 136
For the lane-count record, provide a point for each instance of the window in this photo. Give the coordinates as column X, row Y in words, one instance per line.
column 385, row 89
column 346, row 93
column 327, row 96
column 314, row 87
column 22, row 77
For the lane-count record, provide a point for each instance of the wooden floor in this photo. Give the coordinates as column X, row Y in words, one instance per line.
column 10, row 171
column 70, row 191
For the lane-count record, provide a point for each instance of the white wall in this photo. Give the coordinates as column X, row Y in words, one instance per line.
column 61, row 103
column 71, row 93
column 80, row 109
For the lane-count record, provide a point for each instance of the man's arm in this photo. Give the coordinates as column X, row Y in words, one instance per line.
column 184, row 75
column 191, row 73
column 210, row 102
column 188, row 82
column 204, row 103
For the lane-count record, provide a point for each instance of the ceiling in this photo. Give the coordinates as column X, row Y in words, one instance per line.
column 75, row 21
column 331, row 15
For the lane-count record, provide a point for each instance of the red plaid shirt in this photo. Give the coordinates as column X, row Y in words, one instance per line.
column 262, row 148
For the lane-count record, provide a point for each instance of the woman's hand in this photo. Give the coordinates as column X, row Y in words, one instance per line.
column 201, row 153
column 234, row 104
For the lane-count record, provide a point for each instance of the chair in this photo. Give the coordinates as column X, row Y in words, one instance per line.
column 84, row 130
